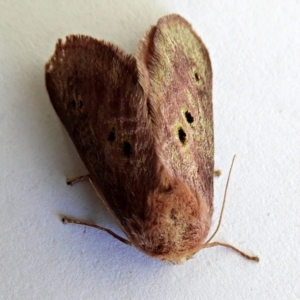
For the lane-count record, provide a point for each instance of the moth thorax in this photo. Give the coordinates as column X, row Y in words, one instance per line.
column 177, row 222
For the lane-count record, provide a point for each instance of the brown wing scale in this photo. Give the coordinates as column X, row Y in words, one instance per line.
column 94, row 89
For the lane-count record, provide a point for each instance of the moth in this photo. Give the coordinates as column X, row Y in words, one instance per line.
column 143, row 126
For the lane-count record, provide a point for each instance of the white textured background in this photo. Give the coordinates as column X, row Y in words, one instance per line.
column 255, row 52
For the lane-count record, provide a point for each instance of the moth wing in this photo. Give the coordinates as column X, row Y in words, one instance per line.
column 94, row 88
column 178, row 68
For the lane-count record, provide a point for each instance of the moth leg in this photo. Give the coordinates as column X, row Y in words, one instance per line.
column 217, row 173
column 71, row 181
column 73, row 221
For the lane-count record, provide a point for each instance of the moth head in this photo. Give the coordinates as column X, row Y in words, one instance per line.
column 176, row 223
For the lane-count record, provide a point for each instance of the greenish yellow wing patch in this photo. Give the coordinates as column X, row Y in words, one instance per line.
column 180, row 100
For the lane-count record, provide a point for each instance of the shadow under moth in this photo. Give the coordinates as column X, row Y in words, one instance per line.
column 143, row 126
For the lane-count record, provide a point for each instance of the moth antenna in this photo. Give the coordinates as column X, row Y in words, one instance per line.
column 207, row 244
column 214, row 244
column 224, row 200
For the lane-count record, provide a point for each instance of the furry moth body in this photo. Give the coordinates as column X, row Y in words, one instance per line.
column 143, row 126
